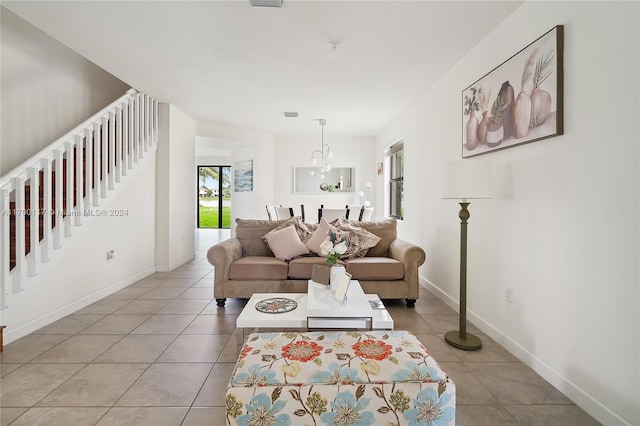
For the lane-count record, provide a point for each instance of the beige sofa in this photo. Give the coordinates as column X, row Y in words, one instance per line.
column 245, row 265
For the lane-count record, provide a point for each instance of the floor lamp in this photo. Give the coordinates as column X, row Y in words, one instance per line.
column 464, row 180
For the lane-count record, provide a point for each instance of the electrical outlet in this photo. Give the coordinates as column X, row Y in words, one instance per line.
column 111, row 254
column 508, row 294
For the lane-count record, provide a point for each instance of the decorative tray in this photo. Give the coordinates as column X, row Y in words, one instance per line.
column 276, row 305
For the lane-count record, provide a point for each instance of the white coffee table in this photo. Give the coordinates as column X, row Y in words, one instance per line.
column 316, row 310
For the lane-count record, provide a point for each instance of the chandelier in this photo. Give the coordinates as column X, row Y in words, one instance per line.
column 323, row 154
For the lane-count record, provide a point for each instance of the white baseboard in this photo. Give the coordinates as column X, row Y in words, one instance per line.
column 176, row 264
column 579, row 396
column 62, row 312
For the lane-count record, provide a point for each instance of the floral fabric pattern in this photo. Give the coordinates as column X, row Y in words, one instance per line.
column 374, row 349
column 301, row 351
column 353, row 378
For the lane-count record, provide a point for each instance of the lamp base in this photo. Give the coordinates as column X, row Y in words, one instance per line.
column 470, row 343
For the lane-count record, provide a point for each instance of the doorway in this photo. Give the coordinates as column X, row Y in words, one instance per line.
column 214, row 197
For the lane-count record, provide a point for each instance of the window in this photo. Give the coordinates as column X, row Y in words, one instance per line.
column 214, row 197
column 394, row 179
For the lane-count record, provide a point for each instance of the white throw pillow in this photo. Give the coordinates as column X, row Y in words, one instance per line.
column 319, row 235
column 285, row 243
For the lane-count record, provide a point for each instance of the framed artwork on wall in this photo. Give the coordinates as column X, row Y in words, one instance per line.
column 243, row 176
column 519, row 101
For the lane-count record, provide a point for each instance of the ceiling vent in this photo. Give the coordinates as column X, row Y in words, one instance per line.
column 291, row 114
column 267, row 3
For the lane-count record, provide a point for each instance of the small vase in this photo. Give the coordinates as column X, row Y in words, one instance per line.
column 337, row 271
column 472, row 131
column 495, row 134
column 482, row 128
column 507, row 121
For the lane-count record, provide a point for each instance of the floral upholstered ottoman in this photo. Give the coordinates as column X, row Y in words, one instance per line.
column 338, row 378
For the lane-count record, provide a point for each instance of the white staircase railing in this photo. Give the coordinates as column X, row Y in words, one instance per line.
column 43, row 199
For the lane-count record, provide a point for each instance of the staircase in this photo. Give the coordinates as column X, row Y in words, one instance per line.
column 50, row 194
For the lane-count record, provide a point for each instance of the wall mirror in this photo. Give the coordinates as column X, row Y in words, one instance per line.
column 338, row 179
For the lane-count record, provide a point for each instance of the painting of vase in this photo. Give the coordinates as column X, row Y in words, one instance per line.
column 519, row 101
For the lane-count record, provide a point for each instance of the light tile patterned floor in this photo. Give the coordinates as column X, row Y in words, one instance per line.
column 160, row 352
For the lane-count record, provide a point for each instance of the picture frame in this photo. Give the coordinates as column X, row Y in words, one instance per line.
column 340, row 295
column 379, row 169
column 243, row 176
column 519, row 101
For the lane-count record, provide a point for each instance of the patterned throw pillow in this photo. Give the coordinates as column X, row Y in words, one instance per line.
column 359, row 241
column 385, row 229
column 303, row 229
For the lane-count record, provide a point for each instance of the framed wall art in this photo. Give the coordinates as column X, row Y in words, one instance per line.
column 243, row 176
column 517, row 102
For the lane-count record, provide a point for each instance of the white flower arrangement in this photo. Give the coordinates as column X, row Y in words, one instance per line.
column 334, row 246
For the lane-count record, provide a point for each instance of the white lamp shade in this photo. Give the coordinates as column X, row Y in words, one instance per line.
column 466, row 179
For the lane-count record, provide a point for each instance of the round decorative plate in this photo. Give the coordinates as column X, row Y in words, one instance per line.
column 276, row 305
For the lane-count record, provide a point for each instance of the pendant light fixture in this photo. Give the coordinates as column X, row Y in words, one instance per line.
column 323, row 154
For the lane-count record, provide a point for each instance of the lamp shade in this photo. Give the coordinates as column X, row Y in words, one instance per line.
column 465, row 179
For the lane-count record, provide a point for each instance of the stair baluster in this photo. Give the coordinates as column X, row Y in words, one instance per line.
column 5, row 251
column 46, row 211
column 33, row 215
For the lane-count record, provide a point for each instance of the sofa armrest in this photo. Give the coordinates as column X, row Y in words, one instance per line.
column 411, row 256
column 221, row 256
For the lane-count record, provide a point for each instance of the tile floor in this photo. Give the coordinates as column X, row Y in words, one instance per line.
column 160, row 352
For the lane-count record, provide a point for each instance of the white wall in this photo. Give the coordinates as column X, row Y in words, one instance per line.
column 562, row 229
column 78, row 274
column 246, row 144
column 47, row 89
column 175, row 210
column 348, row 151
column 207, row 160
column 275, row 156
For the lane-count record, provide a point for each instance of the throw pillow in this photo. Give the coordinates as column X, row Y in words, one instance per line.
column 285, row 243
column 319, row 235
column 246, row 231
column 359, row 241
column 385, row 229
column 303, row 229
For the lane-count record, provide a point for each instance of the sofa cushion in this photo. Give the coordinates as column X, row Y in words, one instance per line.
column 258, row 267
column 249, row 231
column 301, row 268
column 375, row 268
column 285, row 243
column 385, row 229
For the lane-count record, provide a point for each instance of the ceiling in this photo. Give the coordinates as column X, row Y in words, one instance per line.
column 229, row 63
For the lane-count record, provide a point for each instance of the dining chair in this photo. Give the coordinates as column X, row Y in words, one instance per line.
column 284, row 213
column 271, row 211
column 366, row 213
column 332, row 214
